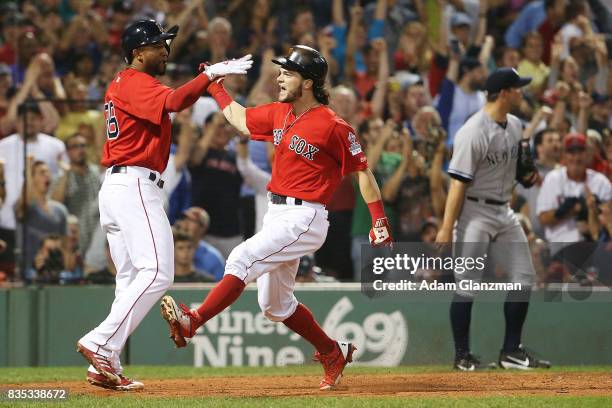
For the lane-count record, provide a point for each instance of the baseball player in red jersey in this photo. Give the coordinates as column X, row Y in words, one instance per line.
column 314, row 148
column 136, row 152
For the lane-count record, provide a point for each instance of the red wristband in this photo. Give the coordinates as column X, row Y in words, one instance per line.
column 377, row 210
column 218, row 92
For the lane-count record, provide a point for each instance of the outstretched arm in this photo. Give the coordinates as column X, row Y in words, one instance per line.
column 232, row 110
column 187, row 94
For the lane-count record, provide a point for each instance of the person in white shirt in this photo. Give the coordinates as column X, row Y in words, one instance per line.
column 562, row 204
column 40, row 146
column 562, row 200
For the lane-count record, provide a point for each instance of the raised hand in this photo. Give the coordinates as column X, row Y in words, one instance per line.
column 545, row 113
column 356, row 12
column 234, row 66
column 584, row 100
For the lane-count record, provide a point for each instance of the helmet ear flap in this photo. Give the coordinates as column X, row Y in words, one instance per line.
column 174, row 31
column 130, row 58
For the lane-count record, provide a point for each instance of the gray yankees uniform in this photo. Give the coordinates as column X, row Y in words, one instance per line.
column 485, row 154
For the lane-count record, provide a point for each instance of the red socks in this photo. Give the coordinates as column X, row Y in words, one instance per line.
column 303, row 323
column 221, row 296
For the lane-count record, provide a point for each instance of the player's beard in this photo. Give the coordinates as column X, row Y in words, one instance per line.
column 292, row 96
column 156, row 68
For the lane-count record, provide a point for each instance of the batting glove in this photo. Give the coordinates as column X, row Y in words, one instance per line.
column 234, row 66
column 380, row 234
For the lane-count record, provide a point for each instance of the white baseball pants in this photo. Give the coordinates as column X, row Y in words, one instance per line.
column 141, row 245
column 272, row 255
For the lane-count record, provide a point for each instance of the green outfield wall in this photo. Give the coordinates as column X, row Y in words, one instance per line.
column 40, row 327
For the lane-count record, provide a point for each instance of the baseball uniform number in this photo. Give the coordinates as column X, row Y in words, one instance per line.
column 112, row 125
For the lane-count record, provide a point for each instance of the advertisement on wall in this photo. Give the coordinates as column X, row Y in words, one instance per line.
column 229, row 339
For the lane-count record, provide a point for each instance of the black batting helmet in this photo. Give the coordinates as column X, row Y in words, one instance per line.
column 307, row 61
column 145, row 32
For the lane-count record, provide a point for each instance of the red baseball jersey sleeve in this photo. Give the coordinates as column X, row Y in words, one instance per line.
column 138, row 129
column 260, row 121
column 348, row 150
column 312, row 151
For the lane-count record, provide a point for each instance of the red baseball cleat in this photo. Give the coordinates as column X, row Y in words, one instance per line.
column 101, row 363
column 126, row 384
column 182, row 321
column 334, row 363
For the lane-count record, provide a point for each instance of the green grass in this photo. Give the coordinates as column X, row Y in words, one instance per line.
column 49, row 374
column 331, row 402
column 16, row 375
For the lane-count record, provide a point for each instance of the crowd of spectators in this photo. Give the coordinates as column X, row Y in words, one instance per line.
column 405, row 74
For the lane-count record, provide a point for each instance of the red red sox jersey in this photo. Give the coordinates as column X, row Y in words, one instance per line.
column 312, row 152
column 138, row 128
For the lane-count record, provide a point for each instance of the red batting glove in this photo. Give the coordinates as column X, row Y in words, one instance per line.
column 380, row 234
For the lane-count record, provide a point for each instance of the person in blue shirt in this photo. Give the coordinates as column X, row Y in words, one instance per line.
column 531, row 17
column 207, row 259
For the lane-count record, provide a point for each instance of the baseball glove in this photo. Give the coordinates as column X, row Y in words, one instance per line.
column 526, row 171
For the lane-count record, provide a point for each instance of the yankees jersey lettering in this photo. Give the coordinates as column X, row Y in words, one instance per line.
column 485, row 153
column 313, row 151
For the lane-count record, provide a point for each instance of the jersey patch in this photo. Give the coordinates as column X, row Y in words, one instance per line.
column 302, row 147
column 354, row 147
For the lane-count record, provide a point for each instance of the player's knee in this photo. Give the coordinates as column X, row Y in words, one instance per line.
column 165, row 280
column 267, row 309
column 276, row 313
column 235, row 265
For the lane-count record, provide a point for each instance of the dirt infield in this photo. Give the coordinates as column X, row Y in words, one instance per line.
column 361, row 385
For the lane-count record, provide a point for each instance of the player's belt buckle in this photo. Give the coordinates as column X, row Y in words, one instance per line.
column 487, row 201
column 281, row 199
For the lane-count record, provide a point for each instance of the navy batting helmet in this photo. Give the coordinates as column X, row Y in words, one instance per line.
column 307, row 61
column 145, row 32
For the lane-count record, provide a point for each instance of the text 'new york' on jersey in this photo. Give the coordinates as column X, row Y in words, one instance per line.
column 138, row 127
column 312, row 152
column 485, row 153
